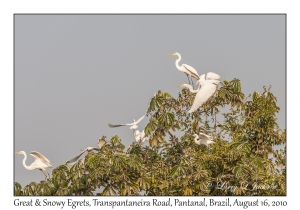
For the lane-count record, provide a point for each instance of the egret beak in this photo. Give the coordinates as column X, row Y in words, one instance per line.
column 178, row 86
column 171, row 54
column 17, row 152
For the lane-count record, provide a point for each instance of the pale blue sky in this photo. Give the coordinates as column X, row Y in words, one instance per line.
column 76, row 73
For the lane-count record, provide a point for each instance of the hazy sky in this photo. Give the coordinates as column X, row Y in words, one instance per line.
column 76, row 73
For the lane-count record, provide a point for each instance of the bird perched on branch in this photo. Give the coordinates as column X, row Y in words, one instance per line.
column 205, row 139
column 40, row 163
column 188, row 70
column 206, row 88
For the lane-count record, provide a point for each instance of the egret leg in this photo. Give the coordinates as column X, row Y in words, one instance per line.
column 46, row 175
column 215, row 122
column 192, row 83
column 205, row 120
column 188, row 78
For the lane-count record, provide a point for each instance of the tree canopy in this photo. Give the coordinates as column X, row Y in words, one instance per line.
column 242, row 161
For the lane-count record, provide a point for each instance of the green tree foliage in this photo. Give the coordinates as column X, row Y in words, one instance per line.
column 242, row 161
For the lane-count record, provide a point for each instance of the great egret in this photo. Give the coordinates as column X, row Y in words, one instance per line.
column 73, row 160
column 205, row 139
column 40, row 163
column 140, row 136
column 133, row 125
column 206, row 88
column 188, row 70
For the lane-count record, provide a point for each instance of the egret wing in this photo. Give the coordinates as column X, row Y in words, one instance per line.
column 191, row 70
column 115, row 125
column 207, row 142
column 205, row 136
column 212, row 76
column 139, row 120
column 130, row 123
column 91, row 148
column 73, row 160
column 38, row 155
column 208, row 88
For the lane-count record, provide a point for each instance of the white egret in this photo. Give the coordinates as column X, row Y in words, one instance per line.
column 88, row 149
column 40, row 163
column 188, row 70
column 206, row 88
column 205, row 139
column 211, row 76
column 133, row 125
column 140, row 136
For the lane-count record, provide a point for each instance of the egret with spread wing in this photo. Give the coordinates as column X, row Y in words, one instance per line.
column 40, row 163
column 205, row 139
column 188, row 70
column 88, row 149
column 206, row 88
column 132, row 125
